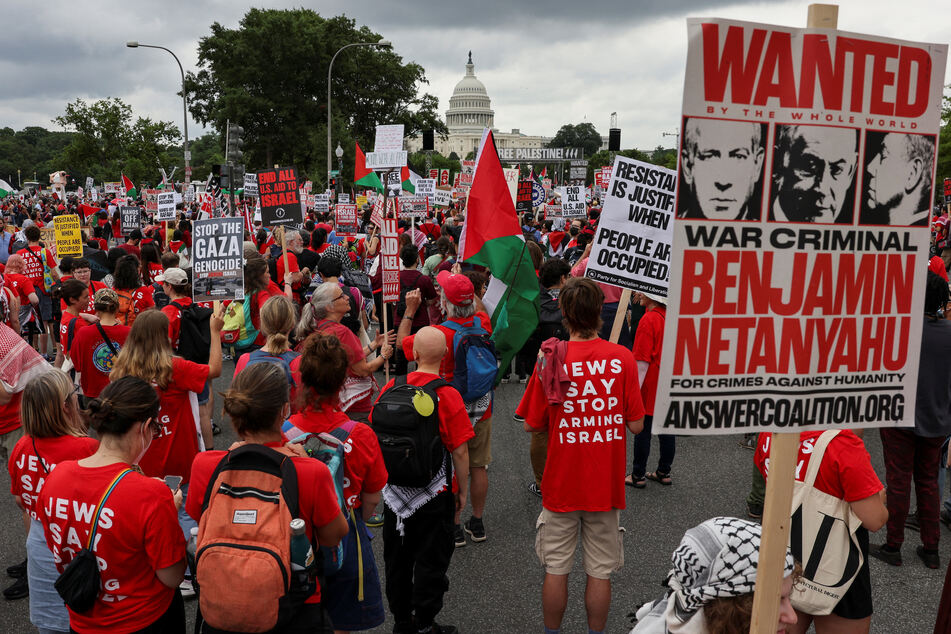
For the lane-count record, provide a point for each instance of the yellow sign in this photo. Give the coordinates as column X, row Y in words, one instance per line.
column 69, row 236
column 361, row 201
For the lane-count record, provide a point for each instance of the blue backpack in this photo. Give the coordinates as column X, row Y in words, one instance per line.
column 475, row 363
column 284, row 360
column 328, row 447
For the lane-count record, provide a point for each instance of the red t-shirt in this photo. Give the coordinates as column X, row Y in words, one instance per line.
column 21, row 285
column 175, row 448
column 34, row 263
column 93, row 357
column 587, row 433
column 363, row 468
column 354, row 353
column 138, row 534
column 27, row 474
column 103, row 245
column 64, row 330
column 153, row 269
column 846, row 471
column 131, row 249
column 648, row 343
column 90, row 308
column 142, row 300
column 315, row 490
column 174, row 314
column 295, row 374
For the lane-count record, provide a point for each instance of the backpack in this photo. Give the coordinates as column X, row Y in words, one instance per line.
column 126, row 313
column 238, row 329
column 284, row 360
column 194, row 335
column 244, row 543
column 329, row 449
column 429, row 249
column 352, row 319
column 359, row 280
column 401, row 302
column 475, row 363
column 159, row 296
column 406, row 421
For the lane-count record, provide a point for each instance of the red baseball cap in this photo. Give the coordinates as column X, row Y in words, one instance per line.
column 458, row 288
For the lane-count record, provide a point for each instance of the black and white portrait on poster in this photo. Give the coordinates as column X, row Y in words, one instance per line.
column 897, row 185
column 721, row 169
column 813, row 177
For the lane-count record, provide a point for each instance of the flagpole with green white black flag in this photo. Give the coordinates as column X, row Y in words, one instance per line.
column 492, row 237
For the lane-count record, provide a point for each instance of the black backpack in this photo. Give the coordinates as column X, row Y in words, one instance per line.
column 409, row 439
column 194, row 337
column 358, row 279
column 405, row 288
column 159, row 296
column 352, row 319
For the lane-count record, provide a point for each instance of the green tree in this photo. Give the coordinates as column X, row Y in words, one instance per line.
column 582, row 135
column 270, row 76
column 33, row 150
column 107, row 142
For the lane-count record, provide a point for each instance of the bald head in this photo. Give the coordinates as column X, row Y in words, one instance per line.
column 429, row 345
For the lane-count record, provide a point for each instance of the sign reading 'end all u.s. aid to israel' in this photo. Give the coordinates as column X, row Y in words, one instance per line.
column 799, row 256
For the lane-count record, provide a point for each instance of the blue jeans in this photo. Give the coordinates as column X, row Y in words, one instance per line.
column 642, row 450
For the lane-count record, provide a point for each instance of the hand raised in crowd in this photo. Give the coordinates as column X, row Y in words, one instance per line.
column 217, row 321
column 456, row 269
column 289, row 278
column 413, row 299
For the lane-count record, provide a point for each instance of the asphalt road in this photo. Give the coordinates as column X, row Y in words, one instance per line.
column 496, row 585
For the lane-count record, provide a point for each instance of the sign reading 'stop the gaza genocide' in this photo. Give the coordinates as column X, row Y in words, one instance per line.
column 800, row 246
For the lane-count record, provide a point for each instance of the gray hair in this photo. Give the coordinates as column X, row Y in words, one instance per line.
column 317, row 308
column 452, row 310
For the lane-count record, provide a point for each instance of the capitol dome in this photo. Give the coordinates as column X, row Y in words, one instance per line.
column 469, row 106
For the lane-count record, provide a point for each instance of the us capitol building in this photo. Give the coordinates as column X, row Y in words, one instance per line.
column 470, row 110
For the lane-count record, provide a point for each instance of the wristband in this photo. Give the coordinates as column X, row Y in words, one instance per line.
column 409, row 316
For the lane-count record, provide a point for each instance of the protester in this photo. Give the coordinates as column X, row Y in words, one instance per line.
column 352, row 595
column 131, row 244
column 277, row 323
column 42, row 271
column 80, row 271
column 76, row 296
column 710, row 588
column 29, row 316
column 94, row 350
column 140, row 550
column 583, row 488
column 417, row 540
column 54, row 432
column 258, row 421
column 648, row 344
column 324, row 312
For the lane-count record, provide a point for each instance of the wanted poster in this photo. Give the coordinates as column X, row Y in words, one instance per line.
column 217, row 259
column 632, row 245
column 280, row 198
column 130, row 219
column 806, row 168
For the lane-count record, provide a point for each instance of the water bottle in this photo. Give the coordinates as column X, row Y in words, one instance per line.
column 302, row 553
column 191, row 549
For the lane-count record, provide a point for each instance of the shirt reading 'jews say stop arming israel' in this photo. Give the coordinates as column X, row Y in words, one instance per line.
column 587, row 433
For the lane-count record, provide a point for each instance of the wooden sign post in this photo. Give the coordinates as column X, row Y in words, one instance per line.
column 783, row 455
column 621, row 315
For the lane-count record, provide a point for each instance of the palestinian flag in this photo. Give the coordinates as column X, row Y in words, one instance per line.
column 88, row 210
column 130, row 190
column 492, row 237
column 6, row 189
column 408, row 179
column 544, row 173
column 364, row 176
column 556, row 243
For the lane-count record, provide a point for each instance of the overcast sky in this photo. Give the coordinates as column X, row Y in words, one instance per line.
column 544, row 63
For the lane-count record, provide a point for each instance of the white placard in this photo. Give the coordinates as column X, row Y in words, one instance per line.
column 166, row 206
column 388, row 138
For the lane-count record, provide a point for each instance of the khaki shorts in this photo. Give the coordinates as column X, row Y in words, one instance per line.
column 602, row 542
column 480, row 447
column 7, row 442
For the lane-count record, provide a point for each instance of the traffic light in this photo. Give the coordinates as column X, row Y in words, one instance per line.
column 333, row 184
column 235, row 143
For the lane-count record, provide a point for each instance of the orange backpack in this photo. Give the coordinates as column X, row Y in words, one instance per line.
column 244, row 543
column 126, row 313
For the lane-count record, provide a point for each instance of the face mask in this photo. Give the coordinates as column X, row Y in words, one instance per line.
column 574, row 231
column 148, row 443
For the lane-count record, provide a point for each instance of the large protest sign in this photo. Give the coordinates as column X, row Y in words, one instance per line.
column 130, row 219
column 523, row 198
column 632, row 245
column 343, row 199
column 112, row 188
column 321, row 203
column 69, row 236
column 217, row 259
column 578, row 170
column 426, row 187
column 797, row 298
column 388, row 149
column 280, row 198
column 442, row 198
column 346, row 222
column 391, row 267
column 165, row 206
column 572, row 201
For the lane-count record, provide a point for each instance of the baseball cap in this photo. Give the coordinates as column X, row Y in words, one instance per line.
column 173, row 276
column 656, row 298
column 458, row 288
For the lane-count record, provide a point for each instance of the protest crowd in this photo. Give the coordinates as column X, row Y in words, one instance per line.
column 360, row 340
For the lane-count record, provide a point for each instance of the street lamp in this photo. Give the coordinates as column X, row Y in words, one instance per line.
column 339, row 153
column 188, row 155
column 381, row 44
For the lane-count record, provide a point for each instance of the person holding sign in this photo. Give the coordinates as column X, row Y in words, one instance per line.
column 582, row 488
